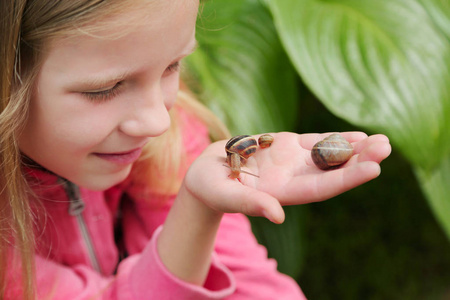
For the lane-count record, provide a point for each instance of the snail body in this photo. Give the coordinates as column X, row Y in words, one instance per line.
column 239, row 149
column 331, row 152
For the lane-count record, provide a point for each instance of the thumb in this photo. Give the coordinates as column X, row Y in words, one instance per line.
column 252, row 202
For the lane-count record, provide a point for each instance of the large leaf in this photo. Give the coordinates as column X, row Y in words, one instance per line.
column 381, row 64
column 240, row 69
column 435, row 184
column 285, row 242
column 384, row 65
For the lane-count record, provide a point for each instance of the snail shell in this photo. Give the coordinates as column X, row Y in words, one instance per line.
column 244, row 145
column 331, row 152
column 239, row 149
column 265, row 140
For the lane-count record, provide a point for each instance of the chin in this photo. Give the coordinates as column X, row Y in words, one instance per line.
column 104, row 182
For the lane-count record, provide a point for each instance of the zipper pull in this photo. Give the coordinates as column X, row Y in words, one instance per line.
column 76, row 205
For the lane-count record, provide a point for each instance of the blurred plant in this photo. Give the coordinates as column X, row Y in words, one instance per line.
column 383, row 65
column 241, row 70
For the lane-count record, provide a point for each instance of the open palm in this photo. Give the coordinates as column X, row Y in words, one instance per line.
column 287, row 174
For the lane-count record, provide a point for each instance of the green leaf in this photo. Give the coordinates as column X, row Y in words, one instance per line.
column 285, row 242
column 383, row 64
column 240, row 69
column 439, row 11
column 436, row 186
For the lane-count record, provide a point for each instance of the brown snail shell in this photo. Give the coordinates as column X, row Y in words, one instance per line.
column 239, row 149
column 244, row 145
column 265, row 140
column 331, row 152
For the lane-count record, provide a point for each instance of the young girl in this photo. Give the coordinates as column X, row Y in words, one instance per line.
column 97, row 200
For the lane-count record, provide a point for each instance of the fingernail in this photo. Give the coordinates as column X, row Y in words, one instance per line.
column 267, row 216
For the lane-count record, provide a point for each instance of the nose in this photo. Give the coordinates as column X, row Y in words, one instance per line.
column 148, row 116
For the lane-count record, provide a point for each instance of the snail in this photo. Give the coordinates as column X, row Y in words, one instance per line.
column 331, row 152
column 265, row 140
column 239, row 149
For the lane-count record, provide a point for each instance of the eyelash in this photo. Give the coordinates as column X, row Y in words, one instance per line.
column 174, row 67
column 114, row 91
column 103, row 95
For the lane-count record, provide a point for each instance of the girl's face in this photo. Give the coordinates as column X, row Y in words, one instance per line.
column 98, row 101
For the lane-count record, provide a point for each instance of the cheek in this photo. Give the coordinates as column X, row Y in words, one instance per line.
column 81, row 130
column 170, row 88
column 72, row 129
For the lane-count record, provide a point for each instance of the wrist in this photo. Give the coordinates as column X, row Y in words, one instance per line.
column 187, row 240
column 189, row 201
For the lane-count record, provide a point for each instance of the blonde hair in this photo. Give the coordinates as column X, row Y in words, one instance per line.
column 26, row 28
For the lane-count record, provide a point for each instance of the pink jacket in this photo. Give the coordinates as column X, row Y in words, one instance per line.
column 85, row 233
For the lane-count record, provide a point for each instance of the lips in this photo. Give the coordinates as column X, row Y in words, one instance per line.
column 123, row 158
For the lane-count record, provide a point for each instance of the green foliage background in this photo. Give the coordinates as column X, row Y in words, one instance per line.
column 314, row 66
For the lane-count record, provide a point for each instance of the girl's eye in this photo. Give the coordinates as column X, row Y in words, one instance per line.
column 173, row 67
column 103, row 95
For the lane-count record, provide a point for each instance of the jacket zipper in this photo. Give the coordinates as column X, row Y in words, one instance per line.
column 76, row 207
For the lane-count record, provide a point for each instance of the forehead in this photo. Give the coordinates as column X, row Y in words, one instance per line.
column 123, row 17
column 130, row 40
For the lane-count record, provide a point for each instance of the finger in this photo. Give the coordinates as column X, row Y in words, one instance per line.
column 225, row 194
column 354, row 136
column 230, row 196
column 376, row 152
column 377, row 138
column 313, row 188
column 307, row 141
column 251, row 202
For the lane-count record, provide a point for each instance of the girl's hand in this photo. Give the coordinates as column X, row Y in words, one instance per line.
column 287, row 174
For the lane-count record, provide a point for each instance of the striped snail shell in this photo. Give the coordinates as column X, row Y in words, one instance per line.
column 331, row 152
column 265, row 140
column 239, row 149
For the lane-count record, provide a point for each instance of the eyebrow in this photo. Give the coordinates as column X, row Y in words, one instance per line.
column 99, row 82
column 106, row 80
